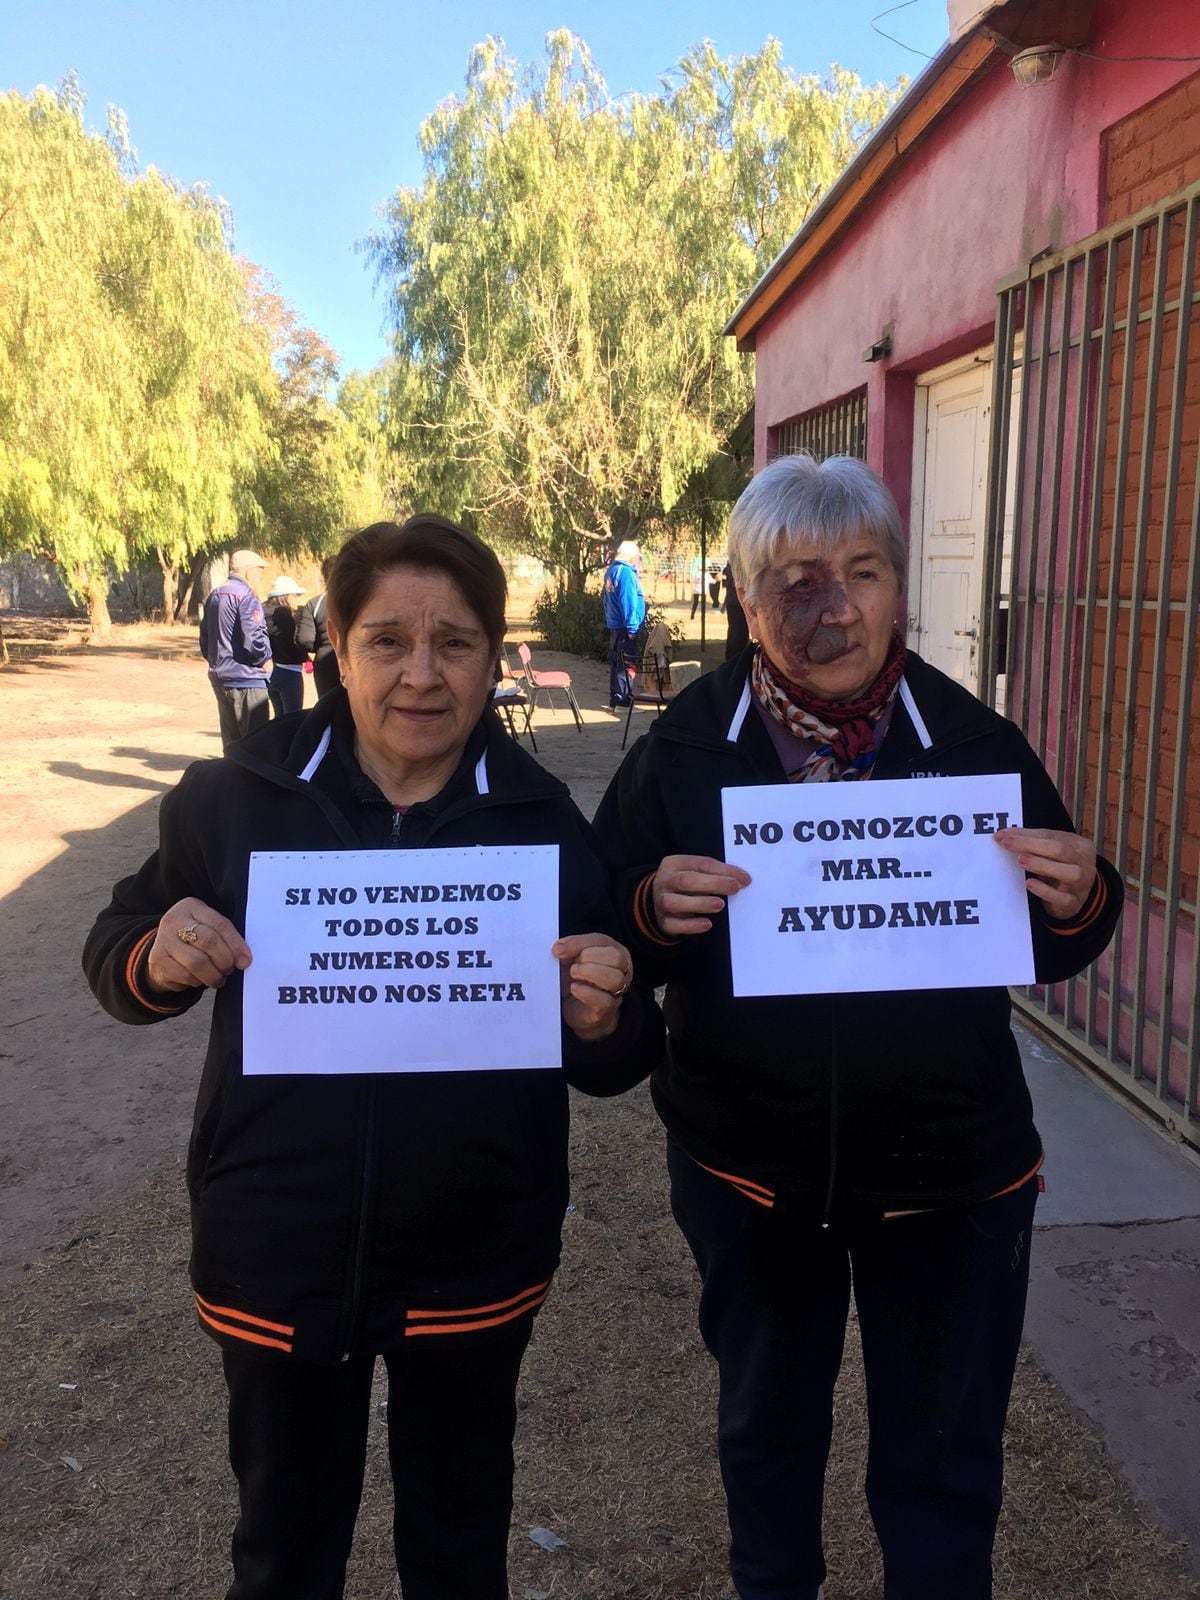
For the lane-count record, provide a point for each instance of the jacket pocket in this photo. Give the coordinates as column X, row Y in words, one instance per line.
column 210, row 1109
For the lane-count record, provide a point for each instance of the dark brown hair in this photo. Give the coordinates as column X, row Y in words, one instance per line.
column 434, row 543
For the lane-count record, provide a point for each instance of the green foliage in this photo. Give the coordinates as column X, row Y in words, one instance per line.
column 69, row 392
column 309, row 483
column 572, row 620
column 560, row 282
column 155, row 400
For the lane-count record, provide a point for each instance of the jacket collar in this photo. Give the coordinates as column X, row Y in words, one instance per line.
column 935, row 714
column 290, row 751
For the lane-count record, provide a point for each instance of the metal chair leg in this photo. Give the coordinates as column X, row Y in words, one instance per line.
column 628, row 720
column 575, row 711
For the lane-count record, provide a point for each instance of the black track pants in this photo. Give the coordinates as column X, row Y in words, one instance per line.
column 940, row 1299
column 297, row 1444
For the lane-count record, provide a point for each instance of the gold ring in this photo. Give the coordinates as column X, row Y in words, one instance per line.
column 624, row 989
column 190, row 934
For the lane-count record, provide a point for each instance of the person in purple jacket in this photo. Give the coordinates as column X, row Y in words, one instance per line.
column 233, row 640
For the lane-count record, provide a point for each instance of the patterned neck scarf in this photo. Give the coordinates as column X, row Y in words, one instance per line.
column 842, row 730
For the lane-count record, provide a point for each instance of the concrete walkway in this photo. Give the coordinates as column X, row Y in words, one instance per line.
column 1114, row 1309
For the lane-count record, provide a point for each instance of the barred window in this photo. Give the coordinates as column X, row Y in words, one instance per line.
column 839, row 429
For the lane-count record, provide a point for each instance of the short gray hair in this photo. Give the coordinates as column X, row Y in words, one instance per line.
column 628, row 551
column 795, row 499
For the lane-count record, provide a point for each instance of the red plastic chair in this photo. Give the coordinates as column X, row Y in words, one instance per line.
column 549, row 681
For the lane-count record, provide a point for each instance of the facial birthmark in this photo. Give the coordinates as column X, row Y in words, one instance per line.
column 798, row 606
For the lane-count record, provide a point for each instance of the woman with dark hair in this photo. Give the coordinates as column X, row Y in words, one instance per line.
column 335, row 1217
column 878, row 1143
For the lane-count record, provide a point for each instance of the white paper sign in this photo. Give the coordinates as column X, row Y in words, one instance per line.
column 402, row 961
column 891, row 884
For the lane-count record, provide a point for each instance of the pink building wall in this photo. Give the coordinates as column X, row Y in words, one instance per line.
column 1005, row 174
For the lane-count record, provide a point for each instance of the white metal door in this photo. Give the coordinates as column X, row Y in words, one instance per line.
column 948, row 568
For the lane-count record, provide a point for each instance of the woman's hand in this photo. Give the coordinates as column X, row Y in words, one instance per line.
column 689, row 891
column 195, row 948
column 1060, row 867
column 595, row 972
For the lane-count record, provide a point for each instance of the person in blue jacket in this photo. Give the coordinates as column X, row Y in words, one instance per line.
column 624, row 613
column 234, row 641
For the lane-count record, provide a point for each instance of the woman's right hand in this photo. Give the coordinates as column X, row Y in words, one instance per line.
column 211, row 950
column 689, row 891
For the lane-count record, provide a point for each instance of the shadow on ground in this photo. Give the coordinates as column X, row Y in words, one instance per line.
column 113, row 1479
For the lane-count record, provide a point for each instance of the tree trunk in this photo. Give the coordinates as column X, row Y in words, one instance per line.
column 188, row 589
column 170, row 578
column 576, row 578
column 4, row 656
column 95, row 594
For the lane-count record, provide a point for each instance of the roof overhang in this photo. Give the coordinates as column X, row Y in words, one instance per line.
column 942, row 84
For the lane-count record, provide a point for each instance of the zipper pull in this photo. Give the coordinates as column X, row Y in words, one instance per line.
column 398, row 815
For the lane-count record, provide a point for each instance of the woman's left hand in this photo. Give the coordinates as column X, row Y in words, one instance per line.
column 595, row 972
column 1060, row 867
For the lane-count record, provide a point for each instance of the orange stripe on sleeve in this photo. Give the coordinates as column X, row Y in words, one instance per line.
column 131, row 965
column 1088, row 912
column 643, row 913
column 241, row 1333
column 242, row 1316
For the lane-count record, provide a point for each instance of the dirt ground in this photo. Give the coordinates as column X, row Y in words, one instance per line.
column 112, row 1473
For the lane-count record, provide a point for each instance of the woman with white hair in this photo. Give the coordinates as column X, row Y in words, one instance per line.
column 624, row 613
column 879, row 1143
column 286, row 688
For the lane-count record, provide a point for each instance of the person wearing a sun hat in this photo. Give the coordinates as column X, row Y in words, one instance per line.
column 233, row 640
column 286, row 688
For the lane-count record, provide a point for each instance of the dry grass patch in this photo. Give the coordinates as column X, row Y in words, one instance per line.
column 615, row 1448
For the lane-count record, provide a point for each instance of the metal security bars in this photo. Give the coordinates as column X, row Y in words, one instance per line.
column 1096, row 469
column 838, row 429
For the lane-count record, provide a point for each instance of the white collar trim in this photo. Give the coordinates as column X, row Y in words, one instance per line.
column 918, row 721
column 739, row 716
column 318, row 755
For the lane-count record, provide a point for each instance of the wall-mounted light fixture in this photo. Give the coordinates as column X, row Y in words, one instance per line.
column 1038, row 65
column 882, row 347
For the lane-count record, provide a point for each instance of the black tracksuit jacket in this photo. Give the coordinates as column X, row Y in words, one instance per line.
column 833, row 1106
column 332, row 1214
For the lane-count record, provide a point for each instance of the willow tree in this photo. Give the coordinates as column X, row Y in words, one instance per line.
column 559, row 282
column 381, row 487
column 205, row 379
column 133, row 383
column 314, row 482
column 69, row 394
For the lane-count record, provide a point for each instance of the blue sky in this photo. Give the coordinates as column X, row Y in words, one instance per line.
column 304, row 116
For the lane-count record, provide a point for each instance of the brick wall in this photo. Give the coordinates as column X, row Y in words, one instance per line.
column 1150, row 154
